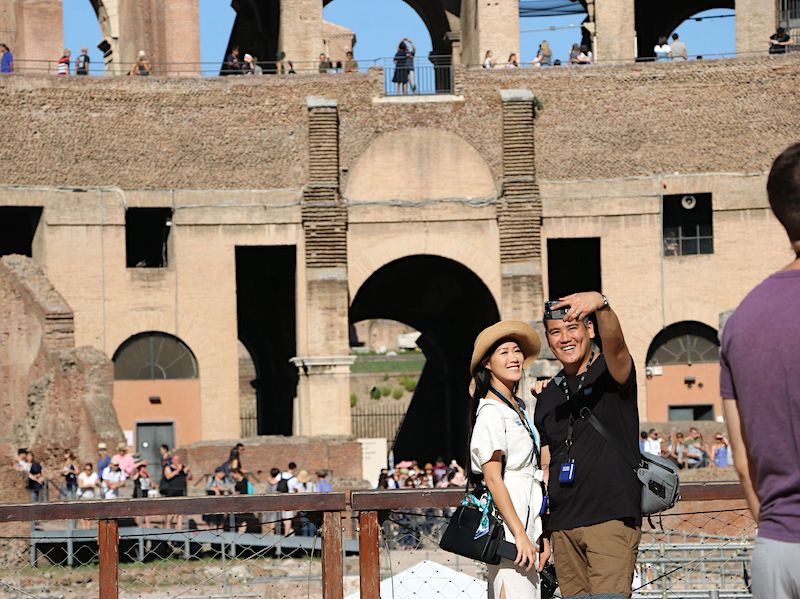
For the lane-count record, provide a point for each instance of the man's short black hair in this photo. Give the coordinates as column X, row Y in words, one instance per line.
column 783, row 189
column 643, row 434
column 292, row 465
column 674, row 36
column 274, row 471
column 165, row 447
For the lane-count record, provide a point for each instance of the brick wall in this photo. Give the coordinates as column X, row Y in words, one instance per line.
column 340, row 455
column 603, row 121
column 54, row 396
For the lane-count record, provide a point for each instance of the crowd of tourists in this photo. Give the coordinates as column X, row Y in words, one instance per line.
column 687, row 451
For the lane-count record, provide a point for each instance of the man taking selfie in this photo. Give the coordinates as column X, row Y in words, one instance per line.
column 595, row 515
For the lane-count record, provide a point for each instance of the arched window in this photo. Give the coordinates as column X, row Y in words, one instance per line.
column 686, row 342
column 154, row 356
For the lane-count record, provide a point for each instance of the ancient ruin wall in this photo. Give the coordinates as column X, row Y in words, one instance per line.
column 242, row 133
column 53, row 395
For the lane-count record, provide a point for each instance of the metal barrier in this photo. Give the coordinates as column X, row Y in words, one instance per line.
column 242, row 552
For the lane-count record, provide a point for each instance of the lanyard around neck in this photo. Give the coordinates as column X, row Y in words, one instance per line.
column 522, row 416
column 565, row 388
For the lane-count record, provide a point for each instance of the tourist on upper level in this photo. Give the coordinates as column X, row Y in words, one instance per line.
column 512, row 62
column 6, row 60
column 324, row 65
column 574, row 52
column 780, row 41
column 662, row 50
column 488, row 60
column 679, row 51
column 400, row 77
column 63, row 63
column 232, row 66
column 82, row 63
column 544, row 55
column 251, row 66
column 141, row 67
column 350, row 63
column 69, row 470
column 584, row 56
column 411, row 52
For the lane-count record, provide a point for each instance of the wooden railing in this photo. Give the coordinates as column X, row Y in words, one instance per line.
column 335, row 507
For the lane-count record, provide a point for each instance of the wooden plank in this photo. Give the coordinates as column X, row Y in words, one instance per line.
column 401, row 499
column 332, row 559
column 108, row 546
column 711, row 491
column 127, row 508
column 369, row 565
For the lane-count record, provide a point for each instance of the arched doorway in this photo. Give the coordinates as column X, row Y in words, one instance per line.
column 157, row 392
column 682, row 371
column 448, row 304
column 660, row 19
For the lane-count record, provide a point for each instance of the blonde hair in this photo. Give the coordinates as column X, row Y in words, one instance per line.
column 545, row 48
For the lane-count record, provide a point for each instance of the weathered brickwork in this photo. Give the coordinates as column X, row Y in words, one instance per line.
column 54, row 396
column 234, row 133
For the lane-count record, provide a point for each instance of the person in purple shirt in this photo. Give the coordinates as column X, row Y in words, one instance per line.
column 760, row 387
column 6, row 59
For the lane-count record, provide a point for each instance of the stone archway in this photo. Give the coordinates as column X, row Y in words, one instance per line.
column 449, row 305
column 657, row 19
column 682, row 370
column 270, row 27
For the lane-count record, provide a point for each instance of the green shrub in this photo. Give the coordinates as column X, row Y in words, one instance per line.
column 398, row 392
column 375, row 393
column 353, row 400
column 408, row 383
column 386, row 390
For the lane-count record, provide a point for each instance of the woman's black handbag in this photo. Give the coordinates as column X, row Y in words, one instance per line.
column 461, row 536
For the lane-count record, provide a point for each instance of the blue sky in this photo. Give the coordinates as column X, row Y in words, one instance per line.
column 379, row 30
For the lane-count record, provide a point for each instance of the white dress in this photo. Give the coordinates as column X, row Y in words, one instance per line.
column 498, row 427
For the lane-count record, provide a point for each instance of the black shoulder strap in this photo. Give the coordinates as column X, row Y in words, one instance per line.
column 587, row 414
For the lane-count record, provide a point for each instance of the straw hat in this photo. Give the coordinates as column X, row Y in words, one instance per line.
column 521, row 332
column 302, row 477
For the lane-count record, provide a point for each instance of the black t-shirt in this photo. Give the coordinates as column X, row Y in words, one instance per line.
column 36, row 468
column 605, row 487
column 775, row 48
column 241, row 487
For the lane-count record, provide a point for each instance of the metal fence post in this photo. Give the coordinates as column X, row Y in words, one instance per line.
column 108, row 545
column 369, row 567
column 332, row 562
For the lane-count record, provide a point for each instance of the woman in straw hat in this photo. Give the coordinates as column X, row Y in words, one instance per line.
column 504, row 451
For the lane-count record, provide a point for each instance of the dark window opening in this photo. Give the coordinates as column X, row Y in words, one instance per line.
column 154, row 356
column 687, row 224
column 146, row 234
column 18, row 226
column 695, row 412
column 265, row 310
column 573, row 265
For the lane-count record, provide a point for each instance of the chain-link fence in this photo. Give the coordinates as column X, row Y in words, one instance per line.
column 252, row 546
